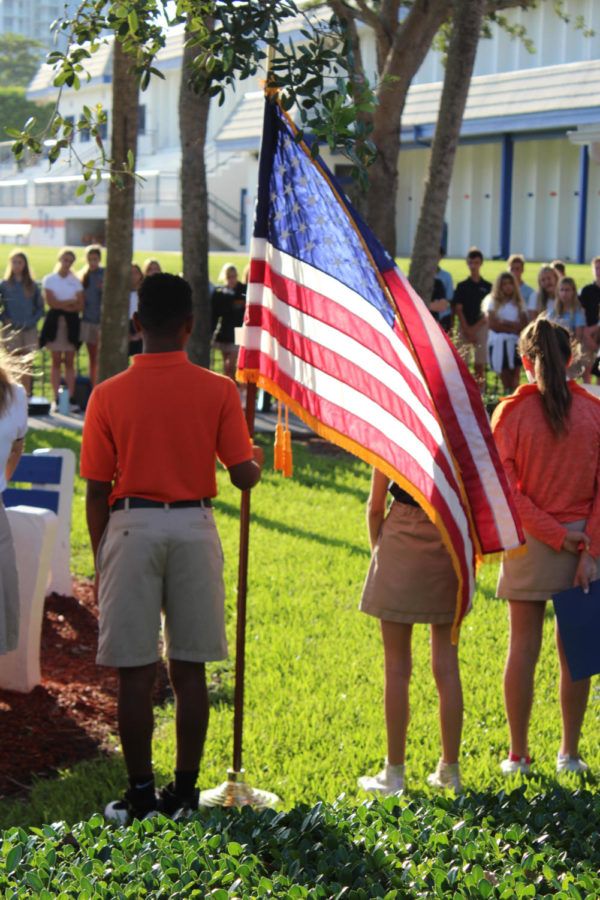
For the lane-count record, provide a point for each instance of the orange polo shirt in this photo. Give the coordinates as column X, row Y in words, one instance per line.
column 156, row 429
column 554, row 479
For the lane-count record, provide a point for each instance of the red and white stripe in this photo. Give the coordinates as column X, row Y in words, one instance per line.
column 335, row 356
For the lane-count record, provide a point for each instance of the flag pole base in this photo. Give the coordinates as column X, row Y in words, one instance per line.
column 237, row 792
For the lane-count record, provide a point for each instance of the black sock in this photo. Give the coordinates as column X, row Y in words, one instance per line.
column 185, row 782
column 142, row 793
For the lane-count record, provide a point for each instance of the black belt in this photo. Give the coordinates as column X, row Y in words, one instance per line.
column 145, row 503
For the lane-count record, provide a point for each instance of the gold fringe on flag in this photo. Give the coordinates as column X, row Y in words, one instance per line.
column 287, row 453
column 279, row 449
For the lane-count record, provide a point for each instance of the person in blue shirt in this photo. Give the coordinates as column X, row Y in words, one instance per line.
column 92, row 279
column 516, row 266
column 567, row 311
column 446, row 319
column 22, row 308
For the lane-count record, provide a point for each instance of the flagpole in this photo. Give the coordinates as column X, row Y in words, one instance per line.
column 236, row 791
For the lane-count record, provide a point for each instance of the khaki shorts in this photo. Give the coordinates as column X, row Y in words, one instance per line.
column 25, row 339
column 541, row 572
column 464, row 346
column 89, row 333
column 161, row 562
column 411, row 577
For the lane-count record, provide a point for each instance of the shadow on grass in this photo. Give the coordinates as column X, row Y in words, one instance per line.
column 232, row 511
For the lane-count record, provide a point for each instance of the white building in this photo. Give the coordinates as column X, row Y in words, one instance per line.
column 527, row 173
column 33, row 18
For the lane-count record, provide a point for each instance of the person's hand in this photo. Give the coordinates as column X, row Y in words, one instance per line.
column 259, row 456
column 574, row 540
column 438, row 306
column 586, row 571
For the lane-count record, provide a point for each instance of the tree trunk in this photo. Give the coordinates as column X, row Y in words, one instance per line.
column 112, row 357
column 401, row 48
column 462, row 48
column 193, row 118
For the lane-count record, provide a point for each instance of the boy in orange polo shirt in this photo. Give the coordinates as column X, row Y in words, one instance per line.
column 150, row 440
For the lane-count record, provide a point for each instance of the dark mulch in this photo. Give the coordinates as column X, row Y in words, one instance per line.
column 72, row 715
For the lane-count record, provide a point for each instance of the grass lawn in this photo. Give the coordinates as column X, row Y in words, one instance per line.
column 314, row 719
column 313, row 724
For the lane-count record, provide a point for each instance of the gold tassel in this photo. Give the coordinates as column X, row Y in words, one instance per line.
column 279, row 449
column 288, row 467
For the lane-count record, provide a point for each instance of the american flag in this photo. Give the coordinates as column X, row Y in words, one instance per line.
column 334, row 329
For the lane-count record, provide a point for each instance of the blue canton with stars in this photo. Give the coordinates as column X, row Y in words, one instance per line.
column 302, row 217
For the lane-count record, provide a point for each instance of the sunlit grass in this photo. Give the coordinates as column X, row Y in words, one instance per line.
column 313, row 712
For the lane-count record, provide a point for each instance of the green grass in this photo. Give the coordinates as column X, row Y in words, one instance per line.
column 313, row 714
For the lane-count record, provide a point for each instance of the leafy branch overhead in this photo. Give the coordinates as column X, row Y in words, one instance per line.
column 230, row 40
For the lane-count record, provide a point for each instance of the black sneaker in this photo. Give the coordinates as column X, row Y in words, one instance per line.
column 123, row 812
column 174, row 806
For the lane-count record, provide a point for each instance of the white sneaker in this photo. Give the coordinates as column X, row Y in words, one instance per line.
column 515, row 766
column 571, row 764
column 389, row 781
column 447, row 775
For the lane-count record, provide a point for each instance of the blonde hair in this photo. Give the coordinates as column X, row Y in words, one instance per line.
column 498, row 298
column 548, row 346
column 60, row 255
column 28, row 279
column 542, row 296
column 147, row 263
column 12, row 368
column 559, row 306
column 222, row 277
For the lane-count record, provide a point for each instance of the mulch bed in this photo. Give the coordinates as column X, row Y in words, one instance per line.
column 72, row 714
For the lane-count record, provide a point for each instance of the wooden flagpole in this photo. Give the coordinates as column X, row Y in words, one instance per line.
column 235, row 791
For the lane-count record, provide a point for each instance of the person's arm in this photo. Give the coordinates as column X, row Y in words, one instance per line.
column 51, row 300
column 13, row 457
column 463, row 323
column 74, row 305
column 535, row 520
column 376, row 505
column 246, row 474
column 97, row 510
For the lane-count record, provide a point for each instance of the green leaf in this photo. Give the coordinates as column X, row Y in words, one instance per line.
column 14, row 858
column 80, row 189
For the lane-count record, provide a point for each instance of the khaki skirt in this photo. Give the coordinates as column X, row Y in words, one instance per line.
column 411, row 577
column 541, row 572
column 61, row 343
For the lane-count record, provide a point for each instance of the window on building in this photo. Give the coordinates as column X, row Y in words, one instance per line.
column 141, row 119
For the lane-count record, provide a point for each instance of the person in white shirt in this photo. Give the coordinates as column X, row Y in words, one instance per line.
column 63, row 293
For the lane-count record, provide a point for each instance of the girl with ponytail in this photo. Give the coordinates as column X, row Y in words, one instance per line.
column 548, row 435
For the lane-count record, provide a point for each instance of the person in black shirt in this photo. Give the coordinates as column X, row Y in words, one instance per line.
column 472, row 329
column 228, row 307
column 590, row 300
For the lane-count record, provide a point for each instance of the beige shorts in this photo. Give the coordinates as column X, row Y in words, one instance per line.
column 161, row 562
column 411, row 577
column 89, row 333
column 464, row 346
column 541, row 572
column 23, row 339
column 9, row 588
